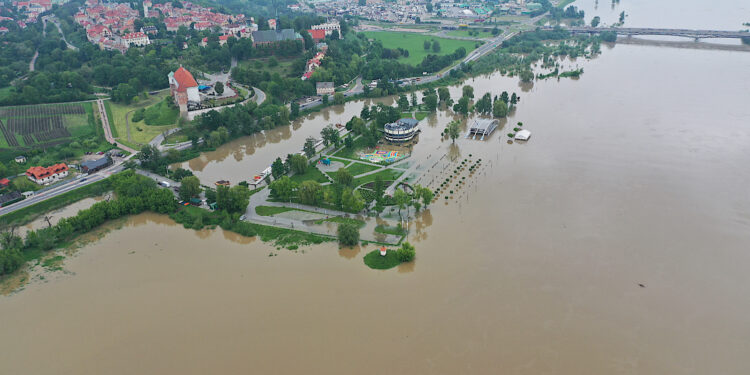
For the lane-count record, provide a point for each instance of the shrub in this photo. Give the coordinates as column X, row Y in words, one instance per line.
column 406, row 253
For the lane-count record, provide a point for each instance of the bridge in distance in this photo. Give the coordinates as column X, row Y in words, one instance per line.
column 688, row 33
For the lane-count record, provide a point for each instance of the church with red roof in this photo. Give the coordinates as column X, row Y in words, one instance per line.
column 184, row 90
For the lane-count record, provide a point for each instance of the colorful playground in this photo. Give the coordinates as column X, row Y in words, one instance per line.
column 379, row 156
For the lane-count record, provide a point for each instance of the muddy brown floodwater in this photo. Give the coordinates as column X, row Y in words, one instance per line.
column 635, row 174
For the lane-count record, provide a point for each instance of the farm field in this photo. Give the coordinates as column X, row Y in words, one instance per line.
column 46, row 125
column 414, row 43
column 140, row 133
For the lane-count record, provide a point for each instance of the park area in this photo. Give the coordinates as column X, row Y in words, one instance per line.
column 154, row 116
column 45, row 125
column 414, row 43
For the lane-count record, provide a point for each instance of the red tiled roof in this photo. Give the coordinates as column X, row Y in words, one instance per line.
column 4, row 182
column 42, row 172
column 184, row 79
column 317, row 34
column 134, row 35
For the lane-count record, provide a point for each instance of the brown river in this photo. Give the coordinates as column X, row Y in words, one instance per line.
column 636, row 173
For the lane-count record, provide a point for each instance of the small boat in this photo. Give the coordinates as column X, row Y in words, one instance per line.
column 222, row 183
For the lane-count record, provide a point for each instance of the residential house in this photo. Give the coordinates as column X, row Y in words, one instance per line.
column 139, row 39
column 324, row 88
column 272, row 24
column 42, row 175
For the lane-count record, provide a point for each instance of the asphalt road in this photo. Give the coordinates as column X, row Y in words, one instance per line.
column 66, row 187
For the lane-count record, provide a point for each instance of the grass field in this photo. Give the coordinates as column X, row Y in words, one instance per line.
column 343, row 220
column 386, row 175
column 351, row 153
column 312, row 173
column 414, row 43
column 161, row 114
column 359, row 168
column 139, row 132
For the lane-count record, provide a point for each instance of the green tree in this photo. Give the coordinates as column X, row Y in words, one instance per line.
column 462, row 106
column 484, row 105
column 468, row 91
column 310, row 192
column 401, row 199
column 427, row 45
column 283, row 188
column 348, row 234
column 595, row 21
column 298, row 163
column 513, row 99
column 526, row 75
column 499, row 109
column 414, row 102
column 425, row 193
column 352, row 201
column 219, row 87
column 365, row 114
column 430, row 102
column 338, row 98
column 453, row 130
column 294, row 109
column 239, row 198
column 504, row 97
column 622, row 17
column 189, row 187
column 309, row 147
column 343, row 177
column 330, row 135
column 435, row 46
column 403, row 103
column 325, row 99
column 277, row 169
column 406, row 253
column 444, row 94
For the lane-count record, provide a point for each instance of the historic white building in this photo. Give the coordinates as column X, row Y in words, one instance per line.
column 328, row 27
column 138, row 39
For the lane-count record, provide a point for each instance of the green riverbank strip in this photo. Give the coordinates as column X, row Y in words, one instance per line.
column 27, row 214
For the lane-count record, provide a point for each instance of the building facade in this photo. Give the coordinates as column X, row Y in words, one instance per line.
column 402, row 130
column 42, row 175
column 324, row 88
column 139, row 39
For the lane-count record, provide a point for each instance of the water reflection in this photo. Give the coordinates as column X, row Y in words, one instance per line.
column 350, row 252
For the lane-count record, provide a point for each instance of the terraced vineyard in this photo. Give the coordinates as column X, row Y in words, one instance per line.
column 44, row 125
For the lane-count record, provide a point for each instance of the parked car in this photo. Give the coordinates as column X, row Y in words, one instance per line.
column 164, row 184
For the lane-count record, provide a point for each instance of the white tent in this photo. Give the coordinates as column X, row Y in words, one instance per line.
column 522, row 135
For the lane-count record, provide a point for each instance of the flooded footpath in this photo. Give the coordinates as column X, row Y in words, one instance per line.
column 614, row 242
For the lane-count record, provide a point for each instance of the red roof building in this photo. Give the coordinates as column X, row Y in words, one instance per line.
column 4, row 182
column 42, row 175
column 317, row 35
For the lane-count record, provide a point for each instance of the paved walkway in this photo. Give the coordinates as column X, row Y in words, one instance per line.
column 261, row 199
column 107, row 130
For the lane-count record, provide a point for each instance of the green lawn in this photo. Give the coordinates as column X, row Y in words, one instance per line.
column 376, row 261
column 161, row 114
column 146, row 132
column 396, row 231
column 414, row 43
column 359, row 168
column 312, row 173
column 353, row 152
column 385, row 174
column 343, row 220
column 284, row 67
column 271, row 210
